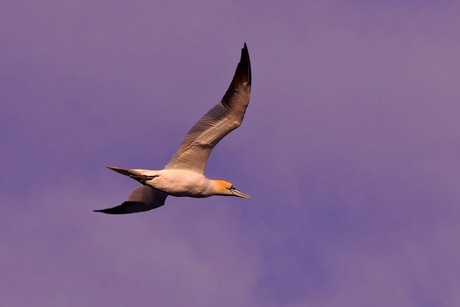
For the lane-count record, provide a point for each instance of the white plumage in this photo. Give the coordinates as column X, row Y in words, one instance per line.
column 184, row 174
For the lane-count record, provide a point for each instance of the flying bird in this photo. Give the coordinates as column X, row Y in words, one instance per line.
column 184, row 174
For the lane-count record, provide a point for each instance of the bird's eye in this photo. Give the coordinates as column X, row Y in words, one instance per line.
column 231, row 188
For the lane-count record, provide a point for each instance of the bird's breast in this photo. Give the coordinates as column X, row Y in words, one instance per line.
column 181, row 183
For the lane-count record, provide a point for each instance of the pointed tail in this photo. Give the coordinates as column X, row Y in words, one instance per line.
column 123, row 171
column 135, row 174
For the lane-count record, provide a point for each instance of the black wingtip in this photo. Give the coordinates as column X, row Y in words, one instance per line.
column 246, row 61
column 111, row 211
column 116, row 210
column 131, row 207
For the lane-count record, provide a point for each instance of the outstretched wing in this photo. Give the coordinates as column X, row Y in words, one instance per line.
column 143, row 198
column 217, row 123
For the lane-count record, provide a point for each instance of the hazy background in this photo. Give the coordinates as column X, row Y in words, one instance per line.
column 349, row 148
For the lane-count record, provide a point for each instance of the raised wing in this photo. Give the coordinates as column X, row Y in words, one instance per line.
column 222, row 119
column 143, row 198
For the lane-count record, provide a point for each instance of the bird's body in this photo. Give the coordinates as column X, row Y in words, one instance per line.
column 181, row 183
column 174, row 182
column 184, row 174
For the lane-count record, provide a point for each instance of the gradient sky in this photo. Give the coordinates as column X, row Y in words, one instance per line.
column 349, row 148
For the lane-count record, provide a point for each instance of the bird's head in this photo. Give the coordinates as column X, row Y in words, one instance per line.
column 225, row 188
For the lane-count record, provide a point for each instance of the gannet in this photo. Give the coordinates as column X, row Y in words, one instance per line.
column 184, row 174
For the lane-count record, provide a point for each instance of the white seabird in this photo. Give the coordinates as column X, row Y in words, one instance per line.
column 184, row 174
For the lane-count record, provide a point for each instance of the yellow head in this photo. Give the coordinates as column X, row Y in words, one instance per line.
column 225, row 188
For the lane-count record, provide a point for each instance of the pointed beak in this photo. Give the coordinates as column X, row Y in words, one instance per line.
column 237, row 193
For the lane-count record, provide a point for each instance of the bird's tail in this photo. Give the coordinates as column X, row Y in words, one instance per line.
column 135, row 174
column 123, row 171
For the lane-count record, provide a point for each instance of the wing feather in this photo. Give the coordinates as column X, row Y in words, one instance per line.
column 222, row 119
column 141, row 199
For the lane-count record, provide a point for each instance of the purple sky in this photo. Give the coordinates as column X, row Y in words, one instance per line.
column 349, row 148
